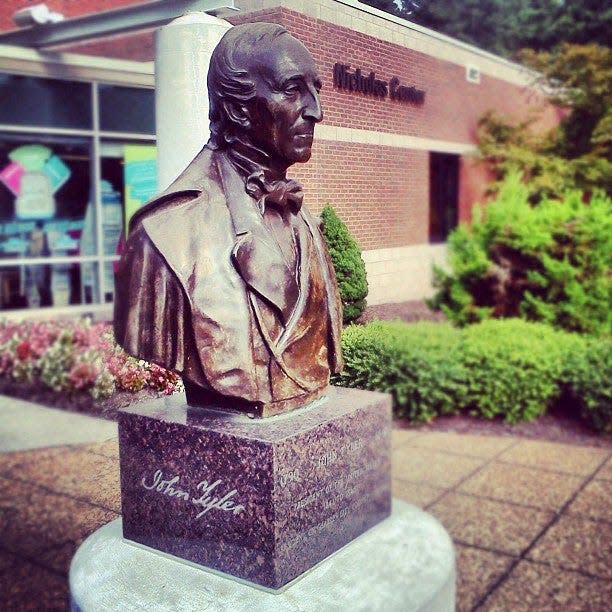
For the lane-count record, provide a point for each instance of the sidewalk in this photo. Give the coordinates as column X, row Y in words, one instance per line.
column 531, row 520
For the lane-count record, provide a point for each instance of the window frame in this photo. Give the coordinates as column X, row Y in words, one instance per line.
column 94, row 71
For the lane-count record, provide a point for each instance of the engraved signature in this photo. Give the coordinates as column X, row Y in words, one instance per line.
column 211, row 497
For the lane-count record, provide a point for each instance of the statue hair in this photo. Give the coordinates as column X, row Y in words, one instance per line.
column 228, row 77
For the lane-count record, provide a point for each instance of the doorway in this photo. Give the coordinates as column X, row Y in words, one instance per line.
column 443, row 195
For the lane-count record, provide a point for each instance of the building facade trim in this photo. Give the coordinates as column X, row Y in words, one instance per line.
column 387, row 139
column 74, row 67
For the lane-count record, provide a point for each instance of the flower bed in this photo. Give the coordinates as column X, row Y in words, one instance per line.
column 75, row 358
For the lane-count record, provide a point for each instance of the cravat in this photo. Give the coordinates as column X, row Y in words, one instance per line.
column 281, row 194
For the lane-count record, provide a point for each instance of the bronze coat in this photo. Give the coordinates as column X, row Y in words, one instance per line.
column 203, row 289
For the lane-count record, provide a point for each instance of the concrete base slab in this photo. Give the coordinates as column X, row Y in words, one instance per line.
column 405, row 563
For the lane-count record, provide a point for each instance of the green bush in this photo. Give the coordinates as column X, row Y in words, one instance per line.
column 499, row 369
column 550, row 262
column 348, row 264
column 417, row 364
column 589, row 378
column 516, row 368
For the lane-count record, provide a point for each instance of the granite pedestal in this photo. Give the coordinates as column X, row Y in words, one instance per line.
column 262, row 500
column 405, row 563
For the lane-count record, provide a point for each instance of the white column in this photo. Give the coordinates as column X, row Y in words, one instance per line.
column 182, row 54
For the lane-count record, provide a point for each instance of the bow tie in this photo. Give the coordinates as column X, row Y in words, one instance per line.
column 282, row 194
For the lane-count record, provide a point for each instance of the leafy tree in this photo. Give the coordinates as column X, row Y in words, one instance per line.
column 505, row 26
column 578, row 153
column 549, row 262
column 348, row 264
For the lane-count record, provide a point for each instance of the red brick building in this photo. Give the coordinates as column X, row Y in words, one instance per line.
column 401, row 104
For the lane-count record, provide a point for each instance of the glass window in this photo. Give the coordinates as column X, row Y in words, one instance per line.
column 129, row 178
column 46, row 211
column 39, row 285
column 45, row 102
column 127, row 109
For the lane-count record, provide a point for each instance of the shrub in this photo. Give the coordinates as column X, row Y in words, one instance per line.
column 509, row 369
column 550, row 262
column 348, row 264
column 417, row 364
column 589, row 378
column 515, row 368
column 76, row 357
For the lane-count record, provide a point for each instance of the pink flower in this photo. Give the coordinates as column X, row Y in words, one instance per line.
column 83, row 375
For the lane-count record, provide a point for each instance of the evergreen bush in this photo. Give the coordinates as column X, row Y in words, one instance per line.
column 348, row 264
column 550, row 262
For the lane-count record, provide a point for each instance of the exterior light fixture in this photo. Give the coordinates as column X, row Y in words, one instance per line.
column 37, row 15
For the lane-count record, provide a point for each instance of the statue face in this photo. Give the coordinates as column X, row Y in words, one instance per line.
column 286, row 106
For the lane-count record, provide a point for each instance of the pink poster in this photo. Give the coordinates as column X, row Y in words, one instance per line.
column 11, row 177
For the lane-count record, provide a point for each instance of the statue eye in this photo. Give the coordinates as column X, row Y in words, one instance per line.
column 291, row 89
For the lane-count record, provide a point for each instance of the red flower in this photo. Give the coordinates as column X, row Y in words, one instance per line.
column 24, row 350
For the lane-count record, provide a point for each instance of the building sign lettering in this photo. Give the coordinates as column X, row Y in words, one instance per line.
column 368, row 84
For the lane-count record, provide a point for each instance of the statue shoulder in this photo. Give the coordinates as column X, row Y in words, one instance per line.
column 197, row 181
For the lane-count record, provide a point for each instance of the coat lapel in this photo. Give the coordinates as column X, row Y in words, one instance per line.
column 255, row 255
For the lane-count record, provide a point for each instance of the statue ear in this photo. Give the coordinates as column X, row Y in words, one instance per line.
column 237, row 113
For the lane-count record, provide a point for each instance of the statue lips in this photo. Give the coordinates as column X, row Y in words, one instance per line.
column 304, row 138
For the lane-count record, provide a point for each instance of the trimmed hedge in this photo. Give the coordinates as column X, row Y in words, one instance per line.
column 418, row 364
column 509, row 369
column 589, row 381
column 515, row 368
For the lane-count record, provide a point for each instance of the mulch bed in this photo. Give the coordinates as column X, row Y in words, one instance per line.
column 560, row 426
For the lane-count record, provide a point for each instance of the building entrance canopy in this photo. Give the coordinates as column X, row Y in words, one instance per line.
column 89, row 27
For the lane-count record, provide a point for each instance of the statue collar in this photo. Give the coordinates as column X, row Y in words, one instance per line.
column 265, row 185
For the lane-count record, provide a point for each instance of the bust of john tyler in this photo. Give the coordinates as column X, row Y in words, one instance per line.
column 226, row 278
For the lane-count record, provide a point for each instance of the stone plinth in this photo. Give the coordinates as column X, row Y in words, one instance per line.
column 406, row 563
column 263, row 500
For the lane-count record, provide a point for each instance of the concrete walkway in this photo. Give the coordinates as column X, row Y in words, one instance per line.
column 26, row 426
column 531, row 520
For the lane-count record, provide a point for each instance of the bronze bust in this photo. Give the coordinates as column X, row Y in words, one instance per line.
column 226, row 278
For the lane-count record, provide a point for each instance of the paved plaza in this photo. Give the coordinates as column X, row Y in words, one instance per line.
column 531, row 520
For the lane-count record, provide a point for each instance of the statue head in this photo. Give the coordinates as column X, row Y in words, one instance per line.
column 264, row 88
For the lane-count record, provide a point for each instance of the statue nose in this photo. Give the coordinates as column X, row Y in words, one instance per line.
column 313, row 108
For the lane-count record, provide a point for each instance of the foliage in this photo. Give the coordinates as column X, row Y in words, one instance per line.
column 516, row 368
column 500, row 369
column 505, row 26
column 74, row 357
column 578, row 153
column 416, row 363
column 589, row 377
column 348, row 264
column 549, row 262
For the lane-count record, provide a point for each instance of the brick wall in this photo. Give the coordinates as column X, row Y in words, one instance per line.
column 452, row 105
column 381, row 193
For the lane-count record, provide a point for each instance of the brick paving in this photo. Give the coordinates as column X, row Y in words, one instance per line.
column 531, row 521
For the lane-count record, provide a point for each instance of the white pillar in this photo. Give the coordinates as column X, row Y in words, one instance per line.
column 182, row 54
